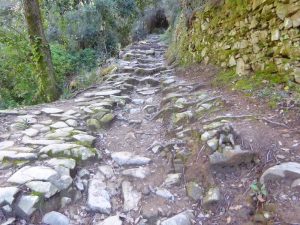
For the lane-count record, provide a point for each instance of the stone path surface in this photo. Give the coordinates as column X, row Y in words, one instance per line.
column 119, row 153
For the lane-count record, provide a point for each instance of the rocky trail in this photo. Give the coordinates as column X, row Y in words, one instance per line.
column 147, row 146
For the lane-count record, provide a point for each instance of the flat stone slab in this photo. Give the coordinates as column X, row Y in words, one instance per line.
column 67, row 163
column 231, row 157
column 52, row 110
column 103, row 93
column 27, row 140
column 113, row 220
column 59, row 125
column 55, row 218
column 131, row 196
column 6, row 144
column 184, row 218
column 45, row 188
column 28, row 173
column 141, row 172
column 26, row 206
column 129, row 158
column 85, row 138
column 57, row 148
column 14, row 155
column 284, row 170
column 98, row 197
column 7, row 195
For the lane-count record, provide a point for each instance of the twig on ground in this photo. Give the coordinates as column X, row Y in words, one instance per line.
column 273, row 122
column 230, row 117
column 198, row 155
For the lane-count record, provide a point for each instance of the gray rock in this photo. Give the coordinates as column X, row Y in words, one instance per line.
column 26, row 206
column 213, row 196
column 65, row 201
column 59, row 125
column 131, row 196
column 194, row 191
column 112, row 220
column 58, row 148
column 208, row 135
column 184, row 218
column 9, row 221
column 164, row 193
column 93, row 124
column 156, row 147
column 107, row 171
column 28, row 173
column 98, row 197
column 172, row 179
column 284, row 170
column 31, row 132
column 27, row 140
column 150, row 109
column 232, row 157
column 27, row 119
column 72, row 122
column 55, row 218
column 6, row 144
column 85, row 139
column 140, row 172
column 67, row 163
column 7, row 195
column 213, row 144
column 138, row 101
column 128, row 158
column 52, row 110
column 45, row 188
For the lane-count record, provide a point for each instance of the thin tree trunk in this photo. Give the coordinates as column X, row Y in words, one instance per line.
column 48, row 90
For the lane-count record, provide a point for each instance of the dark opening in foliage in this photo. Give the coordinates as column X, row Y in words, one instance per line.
column 156, row 21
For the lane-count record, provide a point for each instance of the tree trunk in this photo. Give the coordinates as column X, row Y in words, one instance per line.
column 48, row 90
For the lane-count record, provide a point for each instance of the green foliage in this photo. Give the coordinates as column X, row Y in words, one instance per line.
column 259, row 191
column 81, row 34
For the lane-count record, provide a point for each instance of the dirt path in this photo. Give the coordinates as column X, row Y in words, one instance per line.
column 149, row 146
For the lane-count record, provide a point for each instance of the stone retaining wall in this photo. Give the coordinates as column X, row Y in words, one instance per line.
column 257, row 35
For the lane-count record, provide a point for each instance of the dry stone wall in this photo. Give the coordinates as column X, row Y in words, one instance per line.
column 251, row 36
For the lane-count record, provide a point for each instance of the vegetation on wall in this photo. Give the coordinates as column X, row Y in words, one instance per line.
column 256, row 43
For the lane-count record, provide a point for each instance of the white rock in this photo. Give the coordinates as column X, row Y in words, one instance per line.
column 164, row 193
column 26, row 205
column 72, row 123
column 128, row 158
column 59, row 125
column 28, row 119
column 6, row 144
column 68, row 163
column 131, row 196
column 55, row 218
column 184, row 218
column 31, row 132
column 106, row 170
column 28, row 140
column 7, row 195
column 46, row 188
column 51, row 110
column 281, row 171
column 28, row 173
column 140, row 172
column 58, row 148
column 98, row 197
column 172, row 179
column 113, row 220
column 85, row 138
